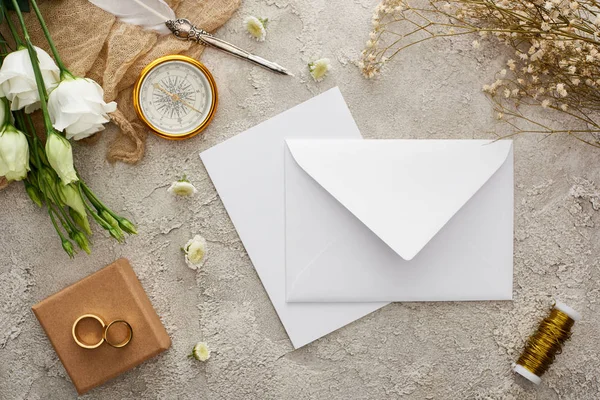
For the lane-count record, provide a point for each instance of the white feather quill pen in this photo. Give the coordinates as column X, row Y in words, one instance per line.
column 149, row 14
column 154, row 15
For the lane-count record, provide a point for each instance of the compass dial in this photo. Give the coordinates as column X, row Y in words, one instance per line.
column 176, row 97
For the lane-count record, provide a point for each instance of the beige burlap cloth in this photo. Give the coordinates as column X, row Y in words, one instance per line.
column 93, row 44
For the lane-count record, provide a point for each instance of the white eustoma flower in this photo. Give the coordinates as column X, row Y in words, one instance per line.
column 14, row 154
column 77, row 107
column 318, row 69
column 256, row 27
column 182, row 187
column 17, row 81
column 60, row 157
column 195, row 250
column 200, row 352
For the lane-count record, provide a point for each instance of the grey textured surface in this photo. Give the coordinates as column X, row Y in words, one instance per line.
column 411, row 350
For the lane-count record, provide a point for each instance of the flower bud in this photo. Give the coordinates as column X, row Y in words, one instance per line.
column 109, row 218
column 81, row 221
column 127, row 226
column 70, row 197
column 34, row 193
column 117, row 234
column 81, row 241
column 68, row 247
column 60, row 157
column 47, row 183
column 14, row 154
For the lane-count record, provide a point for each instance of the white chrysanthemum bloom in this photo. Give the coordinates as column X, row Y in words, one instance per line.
column 195, row 251
column 182, row 187
column 200, row 352
column 318, row 69
column 60, row 157
column 14, row 154
column 256, row 27
column 17, row 80
column 77, row 107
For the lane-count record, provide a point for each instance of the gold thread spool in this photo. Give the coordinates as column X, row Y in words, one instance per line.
column 543, row 346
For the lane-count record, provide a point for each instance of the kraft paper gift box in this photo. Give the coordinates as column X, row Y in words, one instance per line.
column 112, row 293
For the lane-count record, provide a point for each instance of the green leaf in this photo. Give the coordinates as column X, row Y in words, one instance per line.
column 23, row 5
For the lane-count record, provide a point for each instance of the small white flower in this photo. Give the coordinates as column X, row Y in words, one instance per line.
column 318, row 69
column 476, row 44
column 195, row 250
column 14, row 154
column 545, row 26
column 17, row 81
column 564, row 107
column 182, row 187
column 77, row 107
column 546, row 103
column 560, row 89
column 60, row 157
column 200, row 352
column 256, row 27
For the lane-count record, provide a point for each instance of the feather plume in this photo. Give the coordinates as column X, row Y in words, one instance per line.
column 149, row 14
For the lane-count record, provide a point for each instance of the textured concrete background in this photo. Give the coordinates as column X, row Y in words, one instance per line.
column 410, row 350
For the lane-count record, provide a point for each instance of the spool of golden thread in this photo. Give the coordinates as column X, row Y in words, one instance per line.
column 546, row 342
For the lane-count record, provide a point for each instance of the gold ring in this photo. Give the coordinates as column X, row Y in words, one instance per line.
column 77, row 337
column 123, row 343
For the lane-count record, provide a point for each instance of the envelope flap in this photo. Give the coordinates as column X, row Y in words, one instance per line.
column 404, row 191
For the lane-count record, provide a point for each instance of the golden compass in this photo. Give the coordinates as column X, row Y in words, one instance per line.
column 176, row 97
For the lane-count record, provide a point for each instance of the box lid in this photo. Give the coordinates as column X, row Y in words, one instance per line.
column 112, row 293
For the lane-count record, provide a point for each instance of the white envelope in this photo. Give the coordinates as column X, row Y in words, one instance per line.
column 398, row 220
column 247, row 171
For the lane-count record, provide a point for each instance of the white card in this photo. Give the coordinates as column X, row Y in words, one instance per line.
column 248, row 173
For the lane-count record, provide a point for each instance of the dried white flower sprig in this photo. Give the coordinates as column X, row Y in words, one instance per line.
column 200, row 352
column 555, row 48
column 256, row 27
column 182, row 188
column 195, row 252
column 318, row 69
